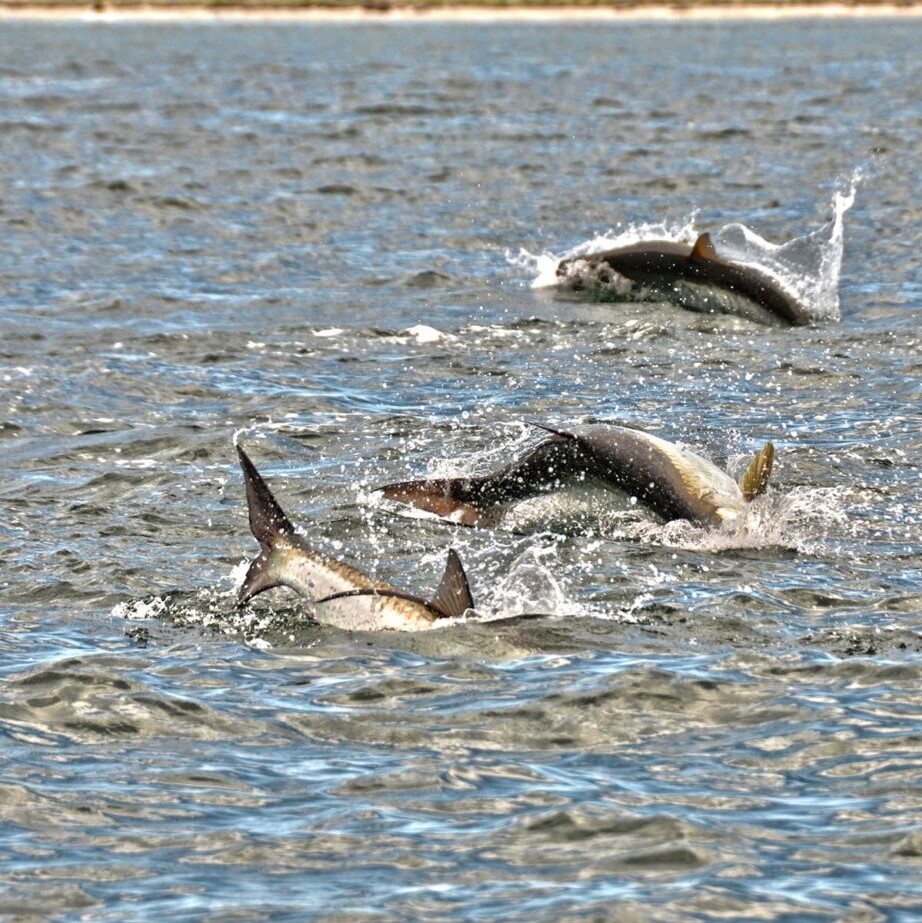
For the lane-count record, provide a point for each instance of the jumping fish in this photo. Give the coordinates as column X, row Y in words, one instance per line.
column 671, row 481
column 695, row 277
column 340, row 595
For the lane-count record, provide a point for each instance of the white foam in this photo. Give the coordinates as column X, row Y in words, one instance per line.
column 423, row 333
column 143, row 464
column 139, row 609
column 545, row 264
column 238, row 574
column 419, row 333
column 801, row 520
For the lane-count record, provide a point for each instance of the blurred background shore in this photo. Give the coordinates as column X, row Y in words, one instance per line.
column 465, row 8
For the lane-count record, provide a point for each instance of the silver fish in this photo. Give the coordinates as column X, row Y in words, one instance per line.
column 671, row 481
column 340, row 595
column 695, row 277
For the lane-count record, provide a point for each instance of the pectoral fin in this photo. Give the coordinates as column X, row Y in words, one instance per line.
column 755, row 481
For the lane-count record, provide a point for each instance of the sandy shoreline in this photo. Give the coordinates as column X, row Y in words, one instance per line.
column 460, row 13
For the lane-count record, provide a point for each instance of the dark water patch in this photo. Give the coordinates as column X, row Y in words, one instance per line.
column 429, row 278
column 340, row 189
column 394, row 109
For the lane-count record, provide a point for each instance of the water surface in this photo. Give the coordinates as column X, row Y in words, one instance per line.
column 310, row 233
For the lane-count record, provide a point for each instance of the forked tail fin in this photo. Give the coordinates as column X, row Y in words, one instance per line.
column 267, row 518
column 442, row 497
column 267, row 522
column 755, row 481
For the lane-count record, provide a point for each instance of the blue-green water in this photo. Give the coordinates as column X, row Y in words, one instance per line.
column 311, row 233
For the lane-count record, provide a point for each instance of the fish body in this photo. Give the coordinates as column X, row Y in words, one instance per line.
column 671, row 481
column 693, row 276
column 340, row 594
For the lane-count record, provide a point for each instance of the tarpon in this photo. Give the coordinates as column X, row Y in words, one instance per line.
column 340, row 595
column 695, row 277
column 671, row 481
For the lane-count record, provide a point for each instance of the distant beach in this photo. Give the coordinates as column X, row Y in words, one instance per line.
column 485, row 11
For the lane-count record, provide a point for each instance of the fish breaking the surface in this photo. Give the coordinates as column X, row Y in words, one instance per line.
column 669, row 480
column 695, row 277
column 340, row 595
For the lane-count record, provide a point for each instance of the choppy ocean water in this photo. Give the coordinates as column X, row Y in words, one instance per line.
column 313, row 234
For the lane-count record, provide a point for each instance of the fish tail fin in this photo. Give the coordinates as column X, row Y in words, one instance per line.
column 453, row 597
column 261, row 575
column 267, row 519
column 445, row 497
column 755, row 481
column 267, row 523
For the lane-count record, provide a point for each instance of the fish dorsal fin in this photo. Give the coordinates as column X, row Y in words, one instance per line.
column 755, row 481
column 704, row 249
column 267, row 518
column 454, row 594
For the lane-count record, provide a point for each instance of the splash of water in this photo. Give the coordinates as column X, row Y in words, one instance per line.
column 532, row 583
column 808, row 267
column 150, row 607
column 545, row 264
column 801, row 520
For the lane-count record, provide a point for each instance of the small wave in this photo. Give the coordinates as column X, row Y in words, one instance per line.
column 419, row 333
column 428, row 278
